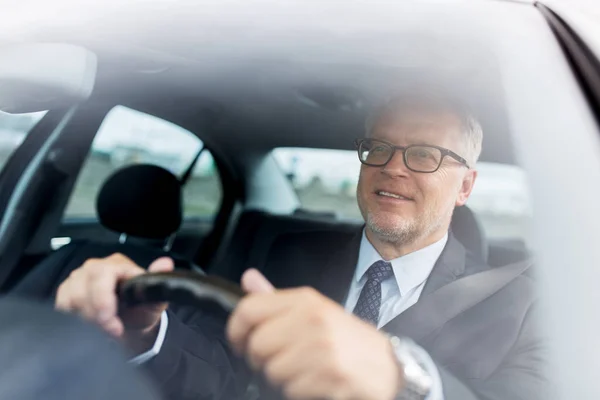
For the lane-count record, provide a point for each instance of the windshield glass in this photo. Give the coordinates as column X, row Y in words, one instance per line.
column 13, row 130
column 205, row 208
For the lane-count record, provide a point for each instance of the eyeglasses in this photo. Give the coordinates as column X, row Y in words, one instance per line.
column 417, row 158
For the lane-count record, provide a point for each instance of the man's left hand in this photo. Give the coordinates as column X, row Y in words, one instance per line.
column 310, row 346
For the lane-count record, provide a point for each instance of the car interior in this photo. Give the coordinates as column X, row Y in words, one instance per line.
column 239, row 112
column 139, row 214
column 165, row 138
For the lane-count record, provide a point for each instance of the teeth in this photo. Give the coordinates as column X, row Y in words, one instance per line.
column 388, row 194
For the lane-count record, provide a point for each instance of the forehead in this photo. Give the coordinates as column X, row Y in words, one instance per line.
column 418, row 125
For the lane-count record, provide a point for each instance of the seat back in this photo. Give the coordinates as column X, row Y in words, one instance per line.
column 469, row 231
column 140, row 202
column 256, row 231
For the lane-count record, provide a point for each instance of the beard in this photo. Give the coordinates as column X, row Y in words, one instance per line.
column 403, row 231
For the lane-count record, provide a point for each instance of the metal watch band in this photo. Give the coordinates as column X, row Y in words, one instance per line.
column 417, row 381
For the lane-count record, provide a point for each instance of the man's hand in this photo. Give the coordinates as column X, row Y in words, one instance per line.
column 309, row 346
column 90, row 291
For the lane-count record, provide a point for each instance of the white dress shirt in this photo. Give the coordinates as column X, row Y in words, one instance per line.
column 410, row 272
column 160, row 338
column 410, row 275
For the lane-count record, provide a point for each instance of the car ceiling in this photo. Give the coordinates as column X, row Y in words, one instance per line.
column 255, row 80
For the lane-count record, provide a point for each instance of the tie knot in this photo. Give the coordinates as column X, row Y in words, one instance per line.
column 380, row 271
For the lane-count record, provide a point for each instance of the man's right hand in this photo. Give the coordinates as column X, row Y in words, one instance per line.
column 90, row 291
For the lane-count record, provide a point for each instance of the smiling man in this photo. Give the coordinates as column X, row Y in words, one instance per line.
column 401, row 309
column 412, row 176
column 460, row 329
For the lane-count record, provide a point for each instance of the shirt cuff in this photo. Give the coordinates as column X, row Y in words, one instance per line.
column 437, row 392
column 160, row 338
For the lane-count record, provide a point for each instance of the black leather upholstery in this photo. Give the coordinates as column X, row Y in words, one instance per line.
column 468, row 230
column 142, row 201
column 257, row 230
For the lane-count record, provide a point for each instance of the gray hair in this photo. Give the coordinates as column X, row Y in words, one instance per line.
column 435, row 100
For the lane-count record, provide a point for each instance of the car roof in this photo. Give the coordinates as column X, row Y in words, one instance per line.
column 264, row 75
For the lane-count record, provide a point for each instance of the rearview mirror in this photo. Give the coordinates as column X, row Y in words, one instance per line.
column 44, row 76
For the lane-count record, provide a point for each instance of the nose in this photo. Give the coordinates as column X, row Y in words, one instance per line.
column 396, row 166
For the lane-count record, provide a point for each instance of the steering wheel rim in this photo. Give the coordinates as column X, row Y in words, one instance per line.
column 184, row 288
column 180, row 287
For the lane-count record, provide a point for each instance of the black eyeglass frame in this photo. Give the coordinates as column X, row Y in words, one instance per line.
column 445, row 152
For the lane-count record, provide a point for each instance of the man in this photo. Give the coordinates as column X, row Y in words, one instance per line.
column 404, row 275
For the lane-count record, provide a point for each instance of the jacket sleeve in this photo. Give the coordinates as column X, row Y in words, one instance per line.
column 521, row 376
column 195, row 361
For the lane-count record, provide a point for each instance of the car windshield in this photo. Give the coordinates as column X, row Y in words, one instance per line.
column 269, row 200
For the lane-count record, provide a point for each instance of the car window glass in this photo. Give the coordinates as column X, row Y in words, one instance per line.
column 127, row 137
column 202, row 194
column 325, row 181
column 13, row 130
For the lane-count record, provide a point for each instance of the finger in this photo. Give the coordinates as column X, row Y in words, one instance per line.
column 250, row 312
column 163, row 264
column 255, row 282
column 293, row 361
column 114, row 327
column 63, row 299
column 71, row 296
column 273, row 337
column 101, row 296
column 255, row 309
column 80, row 303
column 313, row 384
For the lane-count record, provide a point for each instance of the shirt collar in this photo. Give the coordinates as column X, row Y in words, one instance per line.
column 410, row 270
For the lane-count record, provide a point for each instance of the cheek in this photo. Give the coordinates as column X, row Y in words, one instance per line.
column 364, row 181
column 433, row 191
column 441, row 191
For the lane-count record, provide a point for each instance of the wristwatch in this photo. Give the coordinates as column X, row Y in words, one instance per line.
column 417, row 381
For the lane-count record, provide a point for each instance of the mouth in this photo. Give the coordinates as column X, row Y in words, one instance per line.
column 391, row 195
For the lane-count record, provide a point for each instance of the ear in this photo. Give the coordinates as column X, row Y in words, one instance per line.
column 466, row 187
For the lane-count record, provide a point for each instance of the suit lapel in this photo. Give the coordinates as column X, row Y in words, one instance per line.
column 335, row 278
column 448, row 268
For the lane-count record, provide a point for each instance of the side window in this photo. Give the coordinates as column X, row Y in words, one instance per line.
column 326, row 180
column 128, row 137
column 13, row 130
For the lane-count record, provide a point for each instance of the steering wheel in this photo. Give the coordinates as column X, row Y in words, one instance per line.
column 181, row 287
column 184, row 288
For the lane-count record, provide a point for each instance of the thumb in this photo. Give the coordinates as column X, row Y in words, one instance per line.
column 163, row 264
column 255, row 282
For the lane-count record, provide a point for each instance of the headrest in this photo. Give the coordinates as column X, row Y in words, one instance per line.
column 142, row 201
column 468, row 230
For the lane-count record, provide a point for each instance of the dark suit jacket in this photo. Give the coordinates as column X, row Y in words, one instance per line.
column 490, row 350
